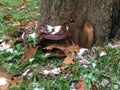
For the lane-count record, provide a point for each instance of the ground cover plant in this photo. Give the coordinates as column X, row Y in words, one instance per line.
column 39, row 68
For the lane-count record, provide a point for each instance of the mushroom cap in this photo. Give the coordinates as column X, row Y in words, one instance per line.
column 55, row 33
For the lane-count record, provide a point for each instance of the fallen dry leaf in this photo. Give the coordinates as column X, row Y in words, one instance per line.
column 72, row 49
column 80, row 85
column 29, row 52
column 13, row 83
column 8, row 77
column 69, row 59
column 4, row 73
column 21, row 7
column 68, row 51
column 52, row 74
column 102, row 49
column 7, row 16
column 94, row 86
column 117, row 47
column 11, row 42
column 1, row 3
column 10, row 32
column 4, row 87
column 63, row 67
column 23, row 24
column 54, row 46
column 28, row 25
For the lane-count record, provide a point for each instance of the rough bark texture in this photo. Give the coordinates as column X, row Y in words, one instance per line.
column 115, row 30
column 76, row 12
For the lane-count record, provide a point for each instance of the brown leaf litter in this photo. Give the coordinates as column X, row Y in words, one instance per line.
column 29, row 52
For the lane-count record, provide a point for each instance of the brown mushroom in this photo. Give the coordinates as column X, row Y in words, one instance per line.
column 54, row 33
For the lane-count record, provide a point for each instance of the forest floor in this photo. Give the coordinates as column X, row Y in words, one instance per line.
column 39, row 68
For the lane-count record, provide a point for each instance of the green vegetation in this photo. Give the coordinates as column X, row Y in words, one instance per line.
column 21, row 13
column 107, row 67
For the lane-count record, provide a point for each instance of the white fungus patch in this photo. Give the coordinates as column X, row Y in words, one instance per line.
column 94, row 65
column 49, row 28
column 55, row 28
column 16, row 23
column 116, row 87
column 30, row 74
column 26, row 72
column 72, row 87
column 3, row 81
column 47, row 55
column 10, row 50
column 113, row 45
column 67, row 28
column 81, row 52
column 102, row 53
column 4, row 46
column 1, row 40
column 31, row 59
column 105, row 82
column 54, row 71
column 46, row 71
column 23, row 35
column 10, row 64
column 33, row 35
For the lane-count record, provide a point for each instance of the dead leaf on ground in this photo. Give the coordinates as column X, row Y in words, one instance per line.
column 29, row 52
column 54, row 46
column 21, row 7
column 10, row 32
column 13, row 83
column 80, row 85
column 102, row 49
column 52, row 74
column 11, row 42
column 1, row 3
column 94, row 86
column 8, row 77
column 4, row 73
column 63, row 67
column 28, row 25
column 7, row 16
column 117, row 47
column 69, row 59
column 68, row 51
column 4, row 87
column 72, row 49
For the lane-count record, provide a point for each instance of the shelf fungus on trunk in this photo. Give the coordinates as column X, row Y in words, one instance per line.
column 54, row 32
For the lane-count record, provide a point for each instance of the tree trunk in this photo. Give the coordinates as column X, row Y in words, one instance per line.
column 76, row 12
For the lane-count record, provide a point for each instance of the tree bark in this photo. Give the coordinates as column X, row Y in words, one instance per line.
column 76, row 12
